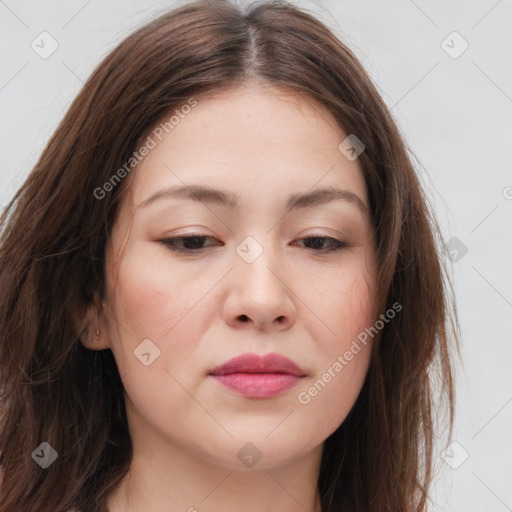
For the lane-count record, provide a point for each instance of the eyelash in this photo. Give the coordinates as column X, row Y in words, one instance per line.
column 172, row 243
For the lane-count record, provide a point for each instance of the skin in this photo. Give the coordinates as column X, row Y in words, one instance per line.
column 262, row 144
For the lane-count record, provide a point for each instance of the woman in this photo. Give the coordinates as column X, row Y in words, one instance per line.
column 222, row 284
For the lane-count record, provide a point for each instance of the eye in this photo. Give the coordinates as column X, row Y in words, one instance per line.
column 187, row 244
column 317, row 241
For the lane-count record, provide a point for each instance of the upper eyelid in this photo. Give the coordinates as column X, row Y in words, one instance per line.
column 202, row 235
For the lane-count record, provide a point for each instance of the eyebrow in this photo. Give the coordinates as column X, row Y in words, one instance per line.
column 207, row 194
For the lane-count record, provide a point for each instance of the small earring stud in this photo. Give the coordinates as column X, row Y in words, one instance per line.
column 97, row 331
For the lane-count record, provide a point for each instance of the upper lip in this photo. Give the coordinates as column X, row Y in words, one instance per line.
column 255, row 363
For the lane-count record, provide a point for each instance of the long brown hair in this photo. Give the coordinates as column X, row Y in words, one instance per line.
column 55, row 229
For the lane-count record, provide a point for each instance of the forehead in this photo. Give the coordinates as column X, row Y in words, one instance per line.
column 251, row 140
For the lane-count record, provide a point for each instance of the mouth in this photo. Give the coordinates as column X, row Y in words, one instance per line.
column 256, row 376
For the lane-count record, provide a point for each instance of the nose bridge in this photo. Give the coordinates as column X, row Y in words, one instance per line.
column 258, row 264
column 258, row 292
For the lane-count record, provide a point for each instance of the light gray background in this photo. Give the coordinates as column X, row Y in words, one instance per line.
column 456, row 114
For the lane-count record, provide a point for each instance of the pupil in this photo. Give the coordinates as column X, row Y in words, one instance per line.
column 317, row 242
column 194, row 240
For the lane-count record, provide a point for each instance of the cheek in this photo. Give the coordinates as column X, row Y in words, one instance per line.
column 152, row 300
column 342, row 363
column 348, row 308
column 344, row 301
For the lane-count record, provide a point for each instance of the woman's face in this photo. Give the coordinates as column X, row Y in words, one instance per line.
column 252, row 283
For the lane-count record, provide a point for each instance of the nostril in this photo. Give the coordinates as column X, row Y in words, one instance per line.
column 244, row 318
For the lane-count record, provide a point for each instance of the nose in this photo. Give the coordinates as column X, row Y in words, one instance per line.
column 260, row 295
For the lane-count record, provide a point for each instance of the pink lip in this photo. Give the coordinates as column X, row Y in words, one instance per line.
column 258, row 376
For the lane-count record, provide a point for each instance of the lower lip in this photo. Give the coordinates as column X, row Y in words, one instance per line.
column 258, row 385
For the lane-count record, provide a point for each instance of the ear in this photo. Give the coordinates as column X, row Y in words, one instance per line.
column 92, row 326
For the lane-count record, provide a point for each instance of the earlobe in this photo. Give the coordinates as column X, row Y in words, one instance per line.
column 92, row 335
